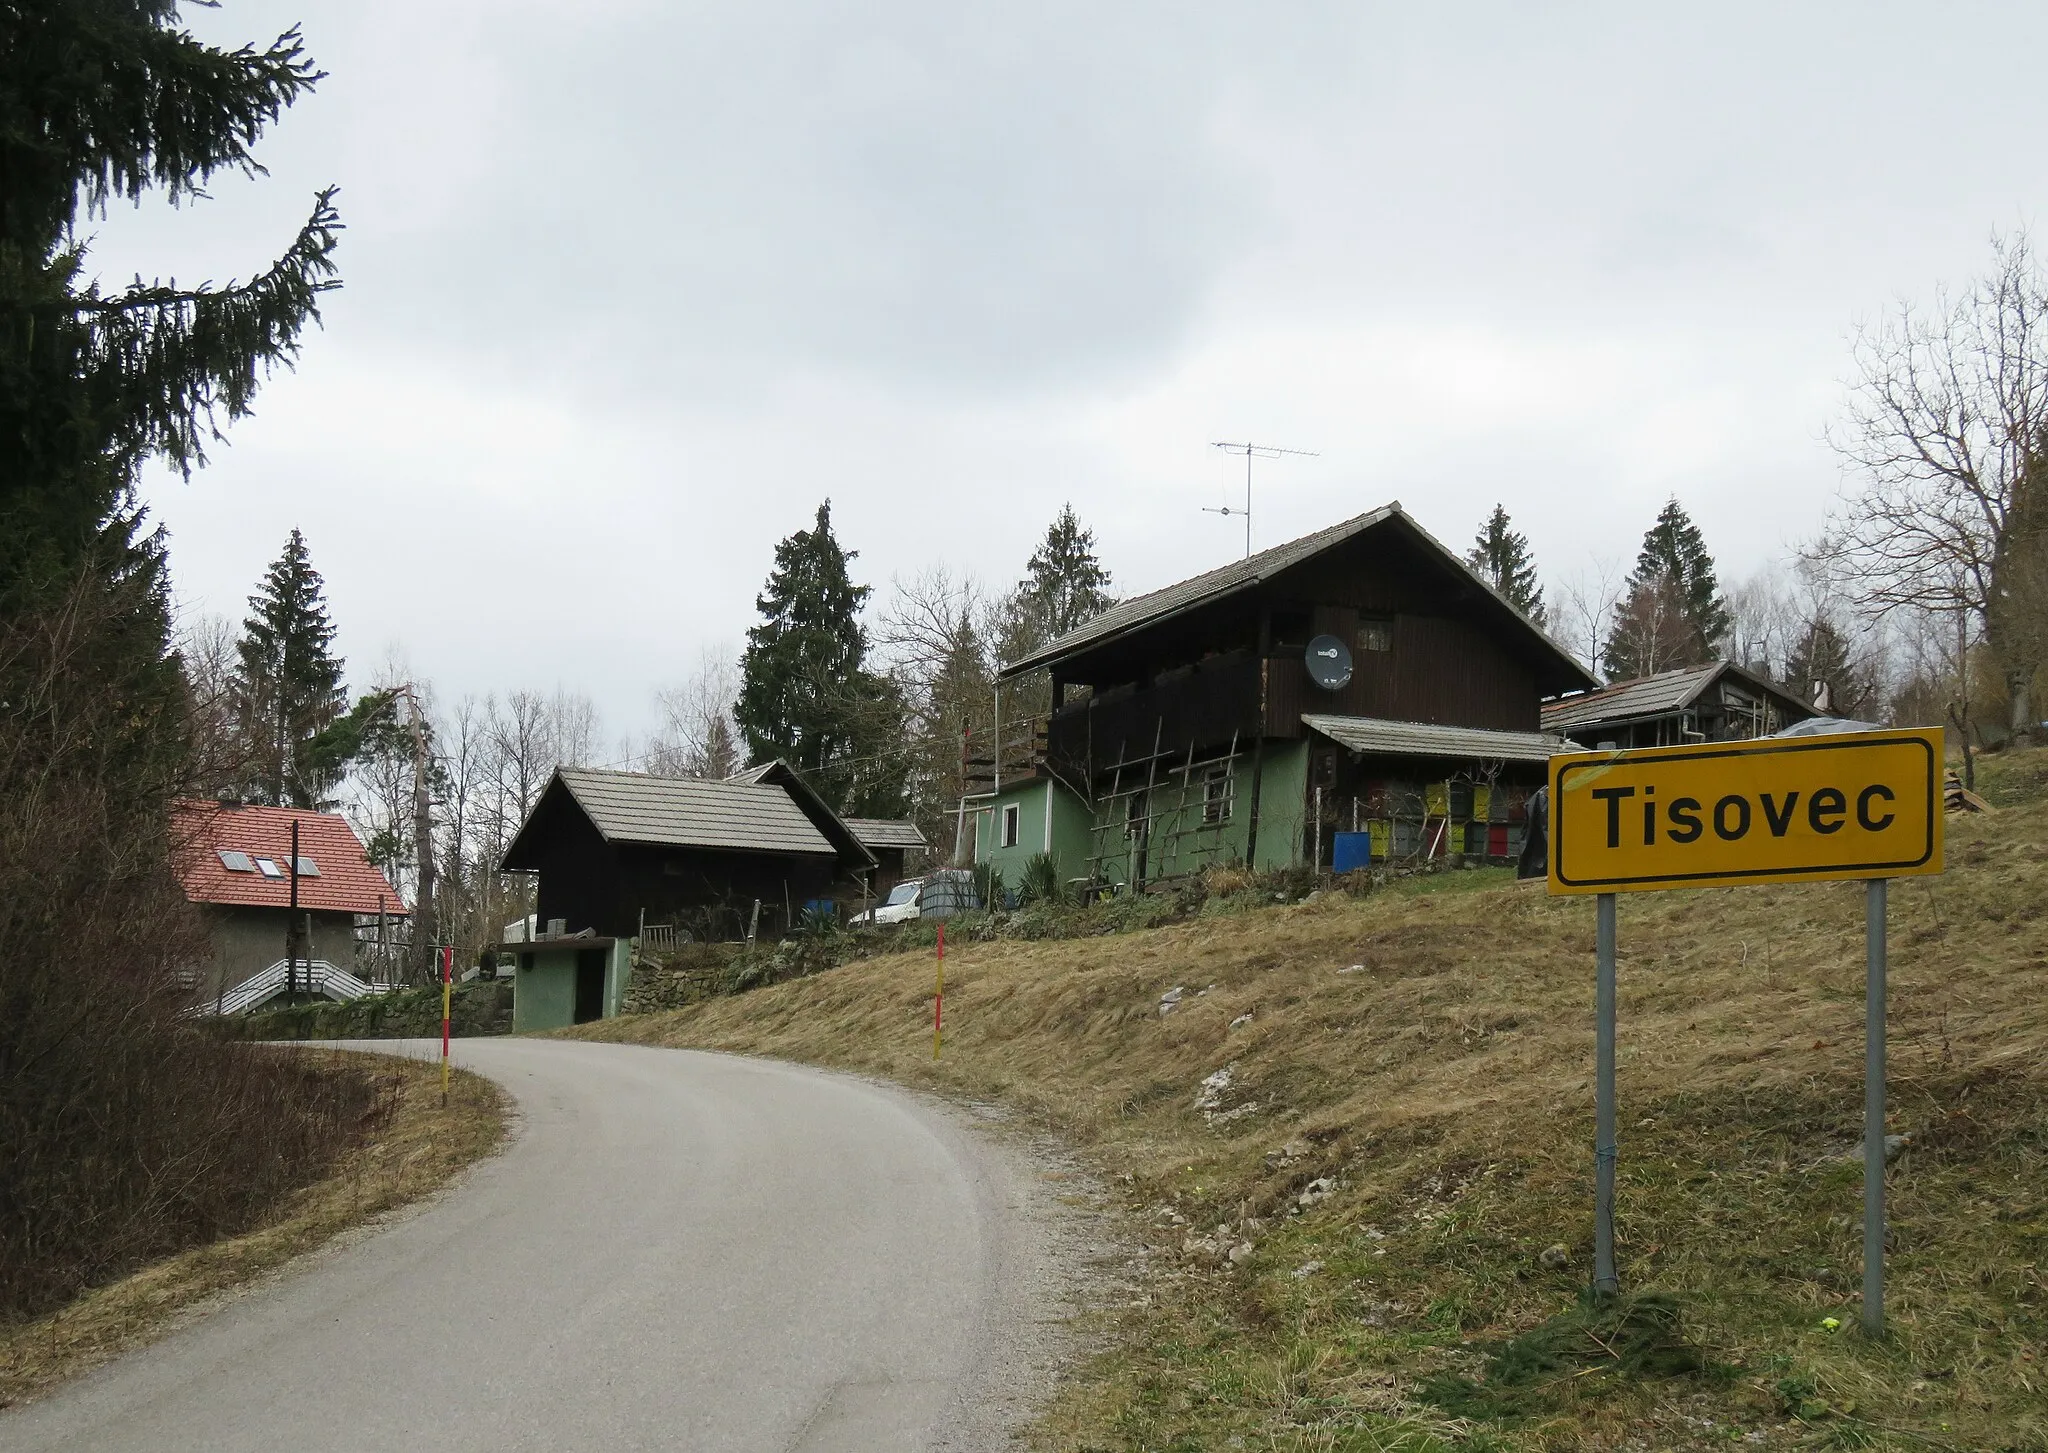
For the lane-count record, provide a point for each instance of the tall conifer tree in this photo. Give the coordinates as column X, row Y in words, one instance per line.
column 1673, row 568
column 1067, row 586
column 105, row 101
column 288, row 690
column 1500, row 554
column 806, row 693
column 99, row 102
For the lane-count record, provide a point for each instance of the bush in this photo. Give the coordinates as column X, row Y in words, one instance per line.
column 480, row 1007
column 125, row 1133
column 988, row 886
column 1039, row 881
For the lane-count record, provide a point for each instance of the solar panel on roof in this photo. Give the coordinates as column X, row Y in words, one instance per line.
column 308, row 868
column 235, row 862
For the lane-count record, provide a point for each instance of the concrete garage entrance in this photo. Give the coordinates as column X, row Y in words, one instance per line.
column 565, row 981
column 590, row 967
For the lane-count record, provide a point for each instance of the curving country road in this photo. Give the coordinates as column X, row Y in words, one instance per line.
column 678, row 1251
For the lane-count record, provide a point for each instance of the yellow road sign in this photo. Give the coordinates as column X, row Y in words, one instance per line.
column 1726, row 814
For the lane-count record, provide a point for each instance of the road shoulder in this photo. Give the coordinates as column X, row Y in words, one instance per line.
column 420, row 1149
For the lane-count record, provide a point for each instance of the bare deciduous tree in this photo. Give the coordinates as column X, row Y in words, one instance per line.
column 1653, row 631
column 936, row 638
column 696, row 737
column 1581, row 611
column 1949, row 408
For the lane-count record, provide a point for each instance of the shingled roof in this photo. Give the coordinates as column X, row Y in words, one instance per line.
column 208, row 836
column 886, row 832
column 633, row 807
column 1127, row 617
column 1649, row 696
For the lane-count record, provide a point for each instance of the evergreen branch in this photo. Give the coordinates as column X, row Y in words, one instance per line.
column 113, row 105
column 175, row 360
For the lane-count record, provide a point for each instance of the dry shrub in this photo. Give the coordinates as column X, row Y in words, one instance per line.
column 1222, row 882
column 124, row 1133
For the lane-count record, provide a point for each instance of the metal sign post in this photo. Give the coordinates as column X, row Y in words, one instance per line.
column 1873, row 1108
column 1604, row 1150
column 1858, row 805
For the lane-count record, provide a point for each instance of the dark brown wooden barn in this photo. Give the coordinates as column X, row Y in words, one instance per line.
column 617, row 851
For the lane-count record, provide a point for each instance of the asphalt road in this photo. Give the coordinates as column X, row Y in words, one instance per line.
column 678, row 1251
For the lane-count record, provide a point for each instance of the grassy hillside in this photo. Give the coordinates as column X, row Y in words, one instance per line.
column 1359, row 1154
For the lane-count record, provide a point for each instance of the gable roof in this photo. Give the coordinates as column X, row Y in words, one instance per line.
column 1127, row 617
column 1658, row 695
column 346, row 881
column 681, row 812
column 845, row 841
column 886, row 832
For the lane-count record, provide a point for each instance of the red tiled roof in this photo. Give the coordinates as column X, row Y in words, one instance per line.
column 348, row 881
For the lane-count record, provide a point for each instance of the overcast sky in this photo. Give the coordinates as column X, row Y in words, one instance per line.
column 631, row 286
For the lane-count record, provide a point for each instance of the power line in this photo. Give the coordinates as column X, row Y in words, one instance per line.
column 1251, row 452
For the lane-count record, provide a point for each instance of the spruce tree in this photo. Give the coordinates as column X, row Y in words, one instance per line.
column 1674, row 548
column 1067, row 586
column 1500, row 555
column 100, row 102
column 106, row 101
column 806, row 693
column 1824, row 661
column 288, row 690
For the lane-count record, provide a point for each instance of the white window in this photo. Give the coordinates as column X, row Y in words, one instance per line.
column 1010, row 816
column 268, row 868
column 1216, row 795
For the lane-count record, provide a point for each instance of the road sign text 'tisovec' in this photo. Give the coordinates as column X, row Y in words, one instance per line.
column 1724, row 814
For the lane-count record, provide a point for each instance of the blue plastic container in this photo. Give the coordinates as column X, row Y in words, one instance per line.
column 1350, row 851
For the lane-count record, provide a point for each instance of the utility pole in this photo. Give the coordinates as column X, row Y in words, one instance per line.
column 1251, row 452
column 291, row 932
column 422, row 840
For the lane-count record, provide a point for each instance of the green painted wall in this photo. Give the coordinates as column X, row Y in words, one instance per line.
column 1283, row 805
column 1070, row 821
column 1181, row 841
column 544, row 993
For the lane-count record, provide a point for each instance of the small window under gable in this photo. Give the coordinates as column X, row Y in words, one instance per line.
column 1375, row 633
column 235, row 862
column 268, row 868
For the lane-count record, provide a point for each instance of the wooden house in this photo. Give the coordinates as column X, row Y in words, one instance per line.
column 1718, row 702
column 1358, row 680
column 235, row 862
column 616, row 851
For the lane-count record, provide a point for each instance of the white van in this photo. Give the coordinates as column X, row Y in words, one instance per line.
column 936, row 895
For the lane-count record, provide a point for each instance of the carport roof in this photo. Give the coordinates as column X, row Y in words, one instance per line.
column 1374, row 736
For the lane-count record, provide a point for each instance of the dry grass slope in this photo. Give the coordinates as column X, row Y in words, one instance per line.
column 413, row 1148
column 1406, row 1130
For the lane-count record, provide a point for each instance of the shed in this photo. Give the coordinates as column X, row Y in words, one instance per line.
column 618, row 850
column 234, row 861
column 557, row 982
column 892, row 841
column 1717, row 702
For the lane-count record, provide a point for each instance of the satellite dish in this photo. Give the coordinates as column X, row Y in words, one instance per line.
column 1329, row 663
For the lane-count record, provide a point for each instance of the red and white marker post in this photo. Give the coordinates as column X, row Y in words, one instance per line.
column 939, row 998
column 447, row 989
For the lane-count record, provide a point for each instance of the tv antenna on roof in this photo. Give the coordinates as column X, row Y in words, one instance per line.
column 1251, row 452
